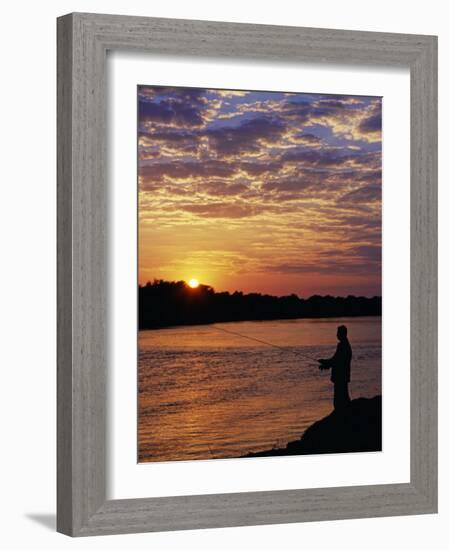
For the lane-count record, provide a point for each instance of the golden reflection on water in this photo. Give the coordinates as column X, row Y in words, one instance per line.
column 208, row 394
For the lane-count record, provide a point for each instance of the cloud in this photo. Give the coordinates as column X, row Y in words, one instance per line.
column 259, row 168
column 371, row 124
column 294, row 186
column 179, row 107
column 222, row 188
column 231, row 93
column 369, row 252
column 168, row 142
column 364, row 259
column 185, row 170
column 223, row 209
column 246, row 136
column 364, row 194
column 342, row 117
column 326, row 157
column 332, row 267
column 169, row 112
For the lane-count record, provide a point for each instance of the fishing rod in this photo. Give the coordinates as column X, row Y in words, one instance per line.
column 306, row 355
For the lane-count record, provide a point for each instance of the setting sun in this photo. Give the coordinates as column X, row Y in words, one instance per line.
column 193, row 283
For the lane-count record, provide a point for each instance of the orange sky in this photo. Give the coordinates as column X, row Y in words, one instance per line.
column 260, row 191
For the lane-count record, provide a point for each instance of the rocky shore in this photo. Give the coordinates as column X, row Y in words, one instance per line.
column 357, row 428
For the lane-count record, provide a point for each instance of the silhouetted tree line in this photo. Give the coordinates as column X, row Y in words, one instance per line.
column 164, row 303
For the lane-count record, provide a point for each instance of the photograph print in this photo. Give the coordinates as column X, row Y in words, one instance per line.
column 259, row 273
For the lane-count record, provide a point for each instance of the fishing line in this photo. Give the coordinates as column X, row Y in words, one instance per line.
column 264, row 342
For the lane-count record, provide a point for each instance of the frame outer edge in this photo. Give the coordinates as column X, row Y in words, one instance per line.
column 64, row 275
column 424, row 273
column 253, row 41
column 255, row 508
column 82, row 282
column 89, row 272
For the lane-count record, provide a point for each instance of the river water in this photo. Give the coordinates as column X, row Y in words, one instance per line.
column 205, row 393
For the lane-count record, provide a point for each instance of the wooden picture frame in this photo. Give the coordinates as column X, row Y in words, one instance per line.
column 83, row 40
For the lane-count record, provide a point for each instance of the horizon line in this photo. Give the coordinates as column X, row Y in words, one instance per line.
column 204, row 285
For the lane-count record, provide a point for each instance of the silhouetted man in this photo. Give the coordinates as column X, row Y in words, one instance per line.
column 340, row 363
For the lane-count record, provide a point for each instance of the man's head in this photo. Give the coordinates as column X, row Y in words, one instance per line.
column 342, row 332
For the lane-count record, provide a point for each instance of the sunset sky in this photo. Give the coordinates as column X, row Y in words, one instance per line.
column 266, row 192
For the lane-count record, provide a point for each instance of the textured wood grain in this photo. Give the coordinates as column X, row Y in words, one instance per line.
column 424, row 304
column 83, row 40
column 64, row 277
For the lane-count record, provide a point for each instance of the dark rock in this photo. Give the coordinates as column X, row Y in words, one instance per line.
column 357, row 428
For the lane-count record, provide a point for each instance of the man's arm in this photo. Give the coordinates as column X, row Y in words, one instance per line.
column 327, row 363
column 324, row 364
